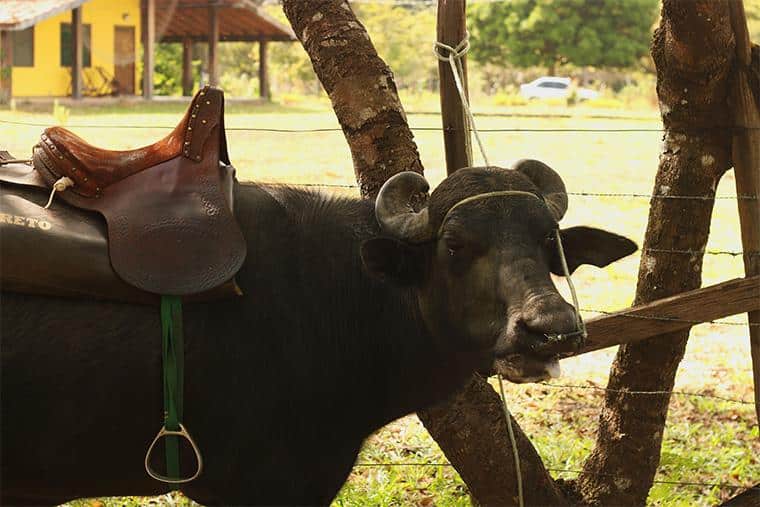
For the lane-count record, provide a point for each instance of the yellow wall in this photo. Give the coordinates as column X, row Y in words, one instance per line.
column 47, row 77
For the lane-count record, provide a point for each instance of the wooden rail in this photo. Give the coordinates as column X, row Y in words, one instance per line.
column 676, row 312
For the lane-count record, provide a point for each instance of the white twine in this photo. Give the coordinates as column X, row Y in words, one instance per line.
column 565, row 271
column 513, row 440
column 59, row 186
column 454, row 56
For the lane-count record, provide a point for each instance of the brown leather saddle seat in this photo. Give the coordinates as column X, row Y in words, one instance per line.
column 92, row 169
column 168, row 206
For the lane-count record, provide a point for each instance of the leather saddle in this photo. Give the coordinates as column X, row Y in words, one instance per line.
column 168, row 207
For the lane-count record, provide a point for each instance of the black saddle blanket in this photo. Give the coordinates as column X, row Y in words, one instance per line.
column 61, row 251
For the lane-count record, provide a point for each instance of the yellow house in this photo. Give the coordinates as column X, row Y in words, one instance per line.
column 41, row 41
column 37, row 42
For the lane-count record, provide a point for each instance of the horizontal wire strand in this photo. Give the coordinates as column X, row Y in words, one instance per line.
column 561, row 470
column 580, row 194
column 669, row 319
column 423, row 129
column 649, row 393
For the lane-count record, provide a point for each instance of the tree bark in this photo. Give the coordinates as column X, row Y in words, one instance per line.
column 470, row 427
column 361, row 88
column 693, row 50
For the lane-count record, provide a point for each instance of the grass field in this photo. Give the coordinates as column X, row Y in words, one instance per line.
column 706, row 441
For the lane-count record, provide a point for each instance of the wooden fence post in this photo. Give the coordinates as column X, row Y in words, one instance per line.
column 456, row 127
column 746, row 159
column 471, row 426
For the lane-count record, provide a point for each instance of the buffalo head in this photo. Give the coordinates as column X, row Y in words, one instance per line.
column 479, row 252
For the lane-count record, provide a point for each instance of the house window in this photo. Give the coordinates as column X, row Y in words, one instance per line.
column 23, row 47
column 66, row 48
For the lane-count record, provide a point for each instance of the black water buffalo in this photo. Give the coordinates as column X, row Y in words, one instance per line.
column 354, row 314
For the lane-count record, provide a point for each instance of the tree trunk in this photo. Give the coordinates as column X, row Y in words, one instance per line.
column 470, row 427
column 693, row 50
column 361, row 88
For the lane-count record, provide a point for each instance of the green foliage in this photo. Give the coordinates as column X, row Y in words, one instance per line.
column 167, row 73
column 403, row 38
column 524, row 33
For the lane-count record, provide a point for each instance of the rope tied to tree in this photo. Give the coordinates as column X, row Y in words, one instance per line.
column 454, row 56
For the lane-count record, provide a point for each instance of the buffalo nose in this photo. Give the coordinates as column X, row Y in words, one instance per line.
column 549, row 315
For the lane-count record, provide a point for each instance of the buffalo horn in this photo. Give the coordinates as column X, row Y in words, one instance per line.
column 394, row 211
column 548, row 182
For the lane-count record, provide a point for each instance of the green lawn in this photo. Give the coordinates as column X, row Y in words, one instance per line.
column 706, row 440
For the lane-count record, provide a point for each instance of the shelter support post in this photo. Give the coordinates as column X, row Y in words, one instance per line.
column 745, row 153
column 149, row 39
column 456, row 129
column 213, row 45
column 77, row 52
column 264, row 90
column 187, row 67
column 6, row 67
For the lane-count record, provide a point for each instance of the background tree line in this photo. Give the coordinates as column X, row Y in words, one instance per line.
column 603, row 42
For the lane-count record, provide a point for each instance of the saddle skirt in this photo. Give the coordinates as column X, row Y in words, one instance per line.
column 132, row 225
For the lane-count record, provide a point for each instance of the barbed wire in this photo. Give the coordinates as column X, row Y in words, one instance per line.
column 649, row 393
column 422, row 129
column 579, row 194
column 561, row 470
column 703, row 252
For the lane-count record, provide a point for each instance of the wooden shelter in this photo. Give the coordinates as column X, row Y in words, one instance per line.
column 211, row 21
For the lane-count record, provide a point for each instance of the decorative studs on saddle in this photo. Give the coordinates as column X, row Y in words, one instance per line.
column 168, row 206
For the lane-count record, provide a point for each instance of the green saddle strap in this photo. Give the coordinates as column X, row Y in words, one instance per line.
column 174, row 364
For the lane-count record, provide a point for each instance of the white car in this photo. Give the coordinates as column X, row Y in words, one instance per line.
column 554, row 88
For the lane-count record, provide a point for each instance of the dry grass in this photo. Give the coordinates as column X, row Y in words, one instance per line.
column 706, row 440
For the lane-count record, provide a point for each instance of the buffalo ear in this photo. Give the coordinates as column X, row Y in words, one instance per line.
column 391, row 260
column 587, row 245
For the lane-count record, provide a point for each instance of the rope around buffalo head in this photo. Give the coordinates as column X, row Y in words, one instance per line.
column 453, row 55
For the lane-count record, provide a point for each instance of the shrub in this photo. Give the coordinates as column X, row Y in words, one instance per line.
column 509, row 99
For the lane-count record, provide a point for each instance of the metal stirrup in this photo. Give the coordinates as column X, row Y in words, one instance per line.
column 166, row 433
